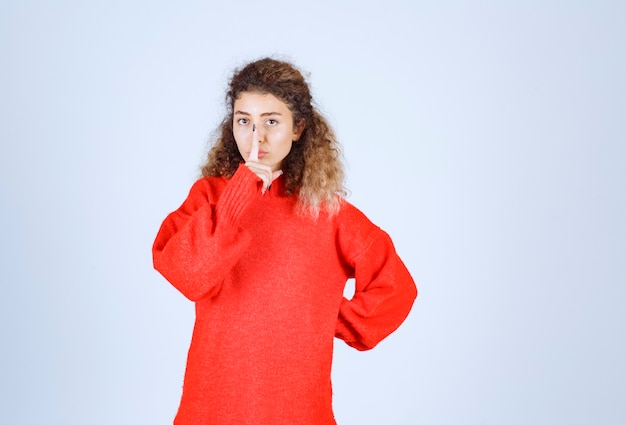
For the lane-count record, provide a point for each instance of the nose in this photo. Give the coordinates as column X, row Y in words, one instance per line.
column 257, row 133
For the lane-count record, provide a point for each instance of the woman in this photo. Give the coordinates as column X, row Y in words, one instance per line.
column 264, row 245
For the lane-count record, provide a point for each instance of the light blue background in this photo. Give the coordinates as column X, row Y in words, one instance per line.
column 486, row 137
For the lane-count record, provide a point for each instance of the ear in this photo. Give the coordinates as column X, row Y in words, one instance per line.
column 297, row 132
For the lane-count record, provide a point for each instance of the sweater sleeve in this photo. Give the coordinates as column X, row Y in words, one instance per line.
column 384, row 288
column 200, row 242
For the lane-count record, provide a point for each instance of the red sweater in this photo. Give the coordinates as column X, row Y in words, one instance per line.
column 268, row 290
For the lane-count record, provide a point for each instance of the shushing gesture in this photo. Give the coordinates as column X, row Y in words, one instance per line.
column 262, row 170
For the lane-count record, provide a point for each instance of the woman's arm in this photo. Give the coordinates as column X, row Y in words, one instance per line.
column 384, row 288
column 199, row 243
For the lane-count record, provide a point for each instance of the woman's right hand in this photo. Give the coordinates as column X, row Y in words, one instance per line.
column 264, row 171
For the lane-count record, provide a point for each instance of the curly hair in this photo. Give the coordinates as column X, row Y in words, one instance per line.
column 313, row 170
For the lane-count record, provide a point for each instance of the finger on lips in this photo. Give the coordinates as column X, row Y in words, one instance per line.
column 263, row 171
column 254, row 151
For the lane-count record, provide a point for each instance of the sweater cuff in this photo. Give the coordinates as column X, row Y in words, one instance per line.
column 237, row 195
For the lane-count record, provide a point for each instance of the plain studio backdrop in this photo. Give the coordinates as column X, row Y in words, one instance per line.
column 487, row 138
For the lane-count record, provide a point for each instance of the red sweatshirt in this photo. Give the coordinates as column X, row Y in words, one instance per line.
column 268, row 290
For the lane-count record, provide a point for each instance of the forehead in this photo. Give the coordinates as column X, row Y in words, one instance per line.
column 254, row 102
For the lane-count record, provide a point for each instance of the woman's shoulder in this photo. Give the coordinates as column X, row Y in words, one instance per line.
column 348, row 214
column 354, row 228
column 210, row 182
column 209, row 188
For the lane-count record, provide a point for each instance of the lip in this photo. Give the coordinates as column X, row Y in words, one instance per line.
column 261, row 154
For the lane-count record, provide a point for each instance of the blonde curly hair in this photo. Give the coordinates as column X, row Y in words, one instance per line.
column 313, row 170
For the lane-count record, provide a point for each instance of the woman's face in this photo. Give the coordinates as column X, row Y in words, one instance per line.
column 274, row 130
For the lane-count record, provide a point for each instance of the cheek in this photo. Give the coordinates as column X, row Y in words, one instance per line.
column 238, row 135
column 235, row 132
column 284, row 135
column 239, row 144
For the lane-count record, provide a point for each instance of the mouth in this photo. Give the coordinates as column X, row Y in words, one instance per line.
column 261, row 154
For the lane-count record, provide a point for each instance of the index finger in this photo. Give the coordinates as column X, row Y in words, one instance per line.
column 254, row 150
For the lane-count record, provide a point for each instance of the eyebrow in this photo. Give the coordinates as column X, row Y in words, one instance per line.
column 264, row 114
